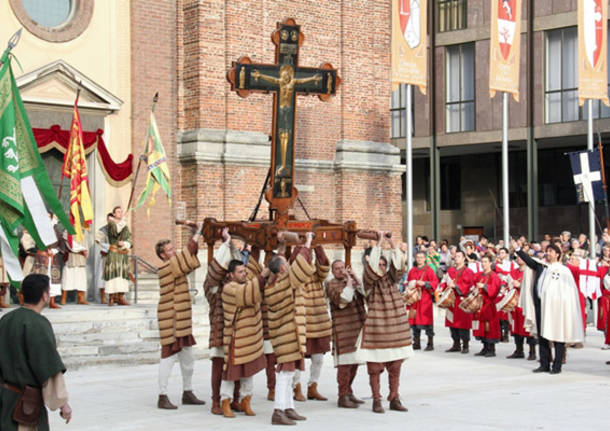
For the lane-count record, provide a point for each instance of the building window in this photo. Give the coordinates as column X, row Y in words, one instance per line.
column 48, row 13
column 398, row 106
column 450, row 183
column 450, row 15
column 561, row 87
column 460, row 75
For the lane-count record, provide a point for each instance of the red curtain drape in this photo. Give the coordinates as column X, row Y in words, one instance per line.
column 54, row 137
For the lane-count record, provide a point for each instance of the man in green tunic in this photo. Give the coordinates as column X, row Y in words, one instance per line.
column 29, row 357
column 116, row 268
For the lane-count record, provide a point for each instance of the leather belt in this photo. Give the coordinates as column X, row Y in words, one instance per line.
column 113, row 248
column 12, row 388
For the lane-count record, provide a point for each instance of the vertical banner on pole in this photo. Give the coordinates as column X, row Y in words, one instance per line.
column 410, row 43
column 505, row 47
column 409, row 66
column 592, row 61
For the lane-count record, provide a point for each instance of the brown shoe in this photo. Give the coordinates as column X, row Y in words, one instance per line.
column 103, row 296
column 313, row 394
column 20, row 297
column 353, row 399
column 216, row 409
column 226, row 408
column 245, row 406
column 292, row 414
column 271, row 394
column 345, row 402
column 395, row 404
column 280, row 418
column 377, row 407
column 298, row 395
column 165, row 404
column 122, row 300
column 52, row 303
column 236, row 406
column 81, row 298
column 64, row 296
column 111, row 298
column 189, row 398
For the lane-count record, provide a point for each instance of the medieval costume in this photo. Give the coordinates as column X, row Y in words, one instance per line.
column 4, row 284
column 422, row 309
column 458, row 321
column 385, row 339
column 174, row 314
column 287, row 328
column 318, row 326
column 557, row 308
column 212, row 287
column 504, row 269
column 101, row 239
column 520, row 277
column 116, row 268
column 603, row 320
column 74, row 275
column 486, row 322
column 348, row 313
column 242, row 341
column 47, row 262
column 29, row 357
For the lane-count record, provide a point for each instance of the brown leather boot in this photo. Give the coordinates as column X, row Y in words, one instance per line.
column 164, row 403
column 313, row 394
column 353, row 399
column 271, row 394
column 81, row 298
column 455, row 347
column 298, row 395
column 345, row 402
column 395, row 404
column 111, row 298
column 245, row 406
column 2, row 293
column 377, row 407
column 188, row 397
column 216, row 410
column 532, row 354
column 20, row 296
column 103, row 296
column 280, row 418
column 64, row 296
column 430, row 345
column 226, row 408
column 236, row 406
column 292, row 414
column 52, row 303
column 122, row 300
column 416, row 343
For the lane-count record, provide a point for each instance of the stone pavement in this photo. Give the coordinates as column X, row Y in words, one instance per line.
column 443, row 391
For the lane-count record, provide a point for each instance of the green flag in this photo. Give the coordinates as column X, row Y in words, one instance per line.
column 157, row 176
column 25, row 188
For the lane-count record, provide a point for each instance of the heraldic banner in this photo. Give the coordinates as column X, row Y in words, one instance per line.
column 592, row 61
column 409, row 43
column 504, row 49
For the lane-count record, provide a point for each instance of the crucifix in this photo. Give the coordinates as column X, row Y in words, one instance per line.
column 285, row 79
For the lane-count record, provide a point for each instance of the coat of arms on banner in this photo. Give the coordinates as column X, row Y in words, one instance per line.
column 507, row 16
column 593, row 30
column 409, row 15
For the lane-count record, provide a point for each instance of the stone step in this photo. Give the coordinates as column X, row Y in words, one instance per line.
column 75, row 362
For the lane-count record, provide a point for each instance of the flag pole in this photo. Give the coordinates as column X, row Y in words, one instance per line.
column 409, row 178
column 13, row 41
column 143, row 156
column 604, row 185
column 505, row 200
column 592, row 251
column 61, row 183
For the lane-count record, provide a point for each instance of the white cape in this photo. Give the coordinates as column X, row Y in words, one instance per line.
column 526, row 302
column 561, row 319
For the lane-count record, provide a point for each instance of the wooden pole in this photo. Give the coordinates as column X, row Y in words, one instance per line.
column 61, row 183
column 144, row 153
column 603, row 169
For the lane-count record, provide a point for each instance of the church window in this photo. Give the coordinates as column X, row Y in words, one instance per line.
column 49, row 13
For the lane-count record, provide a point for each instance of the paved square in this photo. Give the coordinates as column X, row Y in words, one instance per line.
column 443, row 391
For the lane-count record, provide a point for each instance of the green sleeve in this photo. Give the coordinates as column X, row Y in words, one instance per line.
column 41, row 350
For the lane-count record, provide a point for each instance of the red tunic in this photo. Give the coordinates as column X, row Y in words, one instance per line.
column 583, row 302
column 423, row 307
column 488, row 316
column 517, row 319
column 604, row 300
column 464, row 279
column 505, row 269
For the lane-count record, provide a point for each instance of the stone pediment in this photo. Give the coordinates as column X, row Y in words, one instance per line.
column 56, row 84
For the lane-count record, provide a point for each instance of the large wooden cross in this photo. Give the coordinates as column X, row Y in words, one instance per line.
column 285, row 79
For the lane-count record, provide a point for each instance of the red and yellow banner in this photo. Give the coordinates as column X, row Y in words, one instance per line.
column 505, row 47
column 75, row 168
column 409, row 43
column 592, row 61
